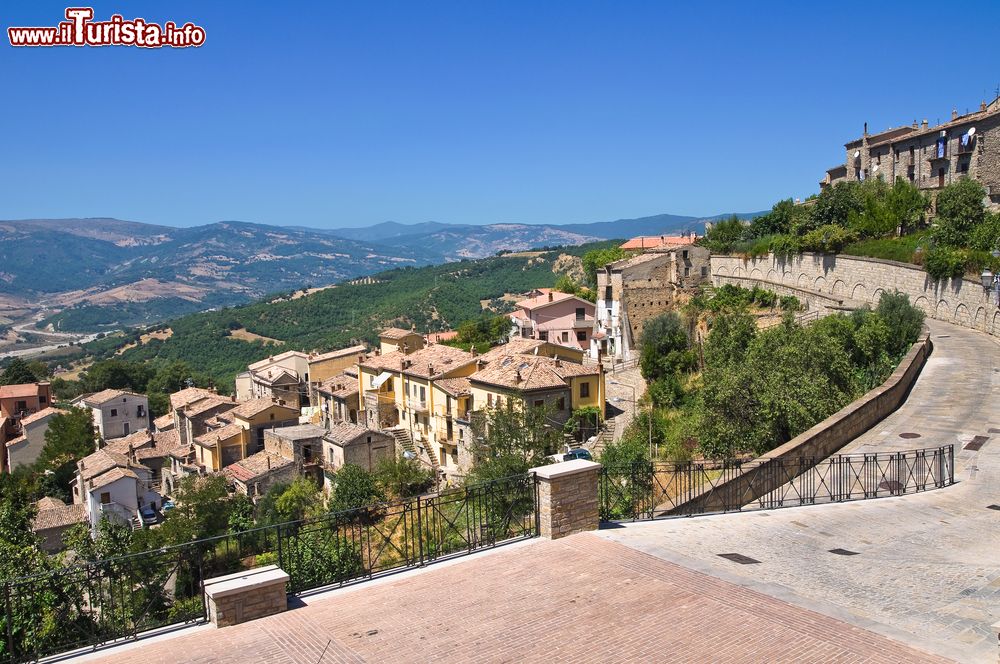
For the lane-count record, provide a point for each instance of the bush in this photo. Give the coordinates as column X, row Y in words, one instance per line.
column 959, row 210
column 828, row 239
column 903, row 319
column 943, row 262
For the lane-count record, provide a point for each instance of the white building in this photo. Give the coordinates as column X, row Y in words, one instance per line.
column 118, row 413
column 111, row 485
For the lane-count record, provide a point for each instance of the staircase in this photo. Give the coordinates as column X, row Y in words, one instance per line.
column 403, row 439
column 604, row 438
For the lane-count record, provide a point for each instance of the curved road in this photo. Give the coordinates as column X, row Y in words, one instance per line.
column 927, row 569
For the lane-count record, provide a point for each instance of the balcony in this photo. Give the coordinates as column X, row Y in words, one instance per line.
column 966, row 148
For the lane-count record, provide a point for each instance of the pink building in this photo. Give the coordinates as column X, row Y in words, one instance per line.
column 558, row 318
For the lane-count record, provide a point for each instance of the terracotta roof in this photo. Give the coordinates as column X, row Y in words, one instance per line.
column 641, row 259
column 273, row 377
column 211, row 438
column 101, row 461
column 340, row 386
column 543, row 300
column 438, row 337
column 189, row 395
column 145, row 444
column 112, row 475
column 419, row 364
column 43, row 413
column 248, row 409
column 299, row 432
column 653, row 241
column 342, row 433
column 256, row 465
column 23, row 390
column 456, row 387
column 262, row 364
column 164, row 422
column 203, row 405
column 342, row 352
column 521, row 372
column 53, row 513
column 890, row 137
column 104, row 396
column 396, row 333
column 14, row 441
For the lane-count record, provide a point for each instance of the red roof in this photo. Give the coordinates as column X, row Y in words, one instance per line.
column 21, row 391
column 655, row 241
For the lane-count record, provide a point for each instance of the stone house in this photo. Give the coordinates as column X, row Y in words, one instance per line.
column 394, row 339
column 239, row 432
column 24, row 450
column 117, row 413
column 348, row 443
column 291, row 377
column 339, row 398
column 633, row 290
column 559, row 318
column 53, row 519
column 112, row 485
column 930, row 157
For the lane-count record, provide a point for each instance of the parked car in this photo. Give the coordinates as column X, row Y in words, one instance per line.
column 578, row 454
column 148, row 516
column 167, row 506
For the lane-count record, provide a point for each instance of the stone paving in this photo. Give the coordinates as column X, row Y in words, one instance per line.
column 578, row 599
column 620, row 392
column 928, row 565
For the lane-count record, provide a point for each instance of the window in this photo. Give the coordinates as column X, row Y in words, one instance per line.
column 964, row 167
column 561, row 403
column 543, row 336
column 704, row 271
column 581, row 336
column 565, row 336
column 42, row 398
column 140, row 411
column 584, row 390
column 607, row 292
column 105, row 498
column 687, row 272
column 272, row 416
column 21, row 406
column 423, row 393
column 539, row 403
column 685, row 254
column 125, row 429
column 941, row 148
column 580, row 313
column 114, row 412
column 489, row 400
column 912, row 154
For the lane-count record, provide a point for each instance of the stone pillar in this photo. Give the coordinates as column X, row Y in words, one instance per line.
column 238, row 598
column 567, row 498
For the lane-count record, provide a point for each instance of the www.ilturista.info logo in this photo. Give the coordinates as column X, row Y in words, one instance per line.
column 81, row 30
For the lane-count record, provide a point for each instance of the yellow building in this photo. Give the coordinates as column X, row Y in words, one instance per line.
column 396, row 339
column 239, row 432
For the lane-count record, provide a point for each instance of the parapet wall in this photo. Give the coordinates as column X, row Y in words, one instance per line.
column 959, row 301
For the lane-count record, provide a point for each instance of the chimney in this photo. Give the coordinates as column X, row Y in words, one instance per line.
column 982, row 106
column 517, row 376
column 472, row 349
column 430, row 369
column 558, row 362
column 923, row 125
column 866, row 129
column 915, row 124
column 550, row 296
column 954, row 113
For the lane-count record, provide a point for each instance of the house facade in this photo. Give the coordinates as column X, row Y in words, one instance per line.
column 633, row 290
column 930, row 157
column 559, row 318
column 16, row 403
column 117, row 413
column 24, row 450
column 112, row 485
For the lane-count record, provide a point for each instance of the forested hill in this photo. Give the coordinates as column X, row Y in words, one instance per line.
column 221, row 343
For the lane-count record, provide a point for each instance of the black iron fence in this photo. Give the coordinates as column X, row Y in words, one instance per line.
column 658, row 490
column 93, row 604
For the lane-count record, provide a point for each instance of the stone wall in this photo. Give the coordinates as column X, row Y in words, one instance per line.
column 567, row 498
column 819, row 442
column 813, row 301
column 958, row 301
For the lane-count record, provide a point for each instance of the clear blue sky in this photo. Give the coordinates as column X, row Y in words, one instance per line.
column 343, row 114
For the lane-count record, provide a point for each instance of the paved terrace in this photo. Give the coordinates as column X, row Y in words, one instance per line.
column 925, row 582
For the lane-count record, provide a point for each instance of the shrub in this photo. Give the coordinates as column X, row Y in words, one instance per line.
column 828, row 239
column 943, row 262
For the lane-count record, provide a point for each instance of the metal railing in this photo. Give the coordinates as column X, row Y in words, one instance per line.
column 659, row 490
column 92, row 604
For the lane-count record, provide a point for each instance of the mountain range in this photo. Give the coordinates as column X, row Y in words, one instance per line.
column 96, row 273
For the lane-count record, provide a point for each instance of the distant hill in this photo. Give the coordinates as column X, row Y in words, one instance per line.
column 97, row 273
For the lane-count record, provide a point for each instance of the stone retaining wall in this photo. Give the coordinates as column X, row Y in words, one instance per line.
column 819, row 442
column 959, row 301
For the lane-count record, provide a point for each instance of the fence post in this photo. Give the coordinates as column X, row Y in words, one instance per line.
column 281, row 560
column 420, row 535
column 10, row 619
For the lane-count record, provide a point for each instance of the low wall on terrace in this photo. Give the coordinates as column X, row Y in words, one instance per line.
column 959, row 301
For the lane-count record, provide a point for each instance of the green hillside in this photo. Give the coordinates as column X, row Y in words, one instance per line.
column 430, row 298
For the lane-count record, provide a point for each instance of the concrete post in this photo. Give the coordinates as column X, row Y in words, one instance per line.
column 567, row 498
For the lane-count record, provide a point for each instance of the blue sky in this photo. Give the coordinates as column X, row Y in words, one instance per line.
column 335, row 114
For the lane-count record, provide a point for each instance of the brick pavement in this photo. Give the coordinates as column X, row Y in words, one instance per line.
column 579, row 599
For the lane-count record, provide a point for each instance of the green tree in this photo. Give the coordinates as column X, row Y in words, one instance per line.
column 597, row 259
column 510, row 439
column 834, row 206
column 664, row 347
column 301, row 499
column 202, row 510
column 723, row 235
column 17, row 372
column 402, row 478
column 70, row 437
column 355, row 487
column 903, row 320
column 960, row 209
